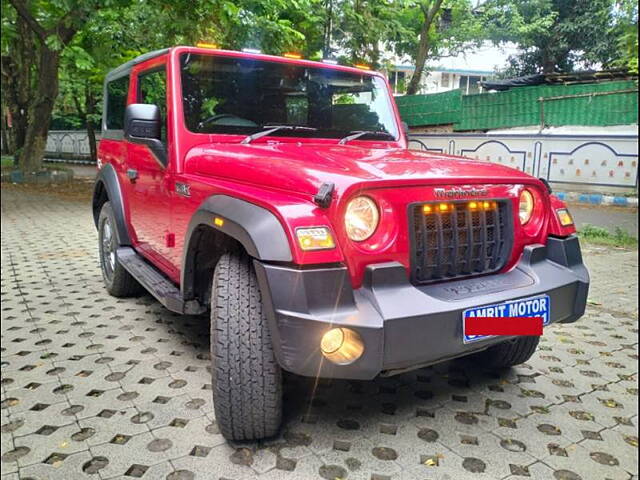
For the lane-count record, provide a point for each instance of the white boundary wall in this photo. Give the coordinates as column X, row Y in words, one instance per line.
column 73, row 142
column 578, row 161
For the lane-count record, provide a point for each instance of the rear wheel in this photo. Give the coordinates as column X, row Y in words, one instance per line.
column 117, row 280
column 511, row 353
column 247, row 380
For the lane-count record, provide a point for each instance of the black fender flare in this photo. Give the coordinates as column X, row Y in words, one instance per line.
column 257, row 229
column 107, row 179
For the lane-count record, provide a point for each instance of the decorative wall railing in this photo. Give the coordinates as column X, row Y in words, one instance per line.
column 579, row 160
column 569, row 160
column 68, row 144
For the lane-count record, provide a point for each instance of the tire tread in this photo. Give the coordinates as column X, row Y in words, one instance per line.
column 247, row 380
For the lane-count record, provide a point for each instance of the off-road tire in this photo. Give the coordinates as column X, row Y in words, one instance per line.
column 117, row 280
column 247, row 380
column 511, row 353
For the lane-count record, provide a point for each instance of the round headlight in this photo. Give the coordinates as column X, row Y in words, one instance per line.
column 361, row 218
column 526, row 206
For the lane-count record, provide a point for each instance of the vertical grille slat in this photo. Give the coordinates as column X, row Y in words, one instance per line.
column 482, row 264
column 440, row 246
column 460, row 241
column 497, row 237
column 469, row 256
column 455, row 241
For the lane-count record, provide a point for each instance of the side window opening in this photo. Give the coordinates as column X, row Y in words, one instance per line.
column 152, row 89
column 116, row 102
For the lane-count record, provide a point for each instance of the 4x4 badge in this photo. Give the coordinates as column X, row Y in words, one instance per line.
column 183, row 189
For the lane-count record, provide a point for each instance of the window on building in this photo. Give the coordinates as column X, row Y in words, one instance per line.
column 398, row 81
column 469, row 83
column 116, row 102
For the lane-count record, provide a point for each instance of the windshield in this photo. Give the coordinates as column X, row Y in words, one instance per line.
column 243, row 96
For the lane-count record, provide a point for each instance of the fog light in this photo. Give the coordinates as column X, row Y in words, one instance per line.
column 565, row 217
column 342, row 346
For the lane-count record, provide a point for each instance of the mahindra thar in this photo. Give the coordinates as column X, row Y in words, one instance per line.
column 279, row 196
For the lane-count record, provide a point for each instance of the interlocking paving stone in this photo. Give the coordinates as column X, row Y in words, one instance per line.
column 98, row 387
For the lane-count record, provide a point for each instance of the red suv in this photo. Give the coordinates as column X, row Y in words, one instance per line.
column 278, row 196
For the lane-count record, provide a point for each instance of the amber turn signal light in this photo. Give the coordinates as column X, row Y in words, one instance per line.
column 565, row 217
column 450, row 207
column 316, row 238
column 206, row 45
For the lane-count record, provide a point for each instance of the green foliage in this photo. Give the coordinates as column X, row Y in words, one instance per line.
column 562, row 35
column 626, row 32
column 458, row 29
column 602, row 236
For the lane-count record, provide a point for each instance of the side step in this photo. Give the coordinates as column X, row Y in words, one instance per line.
column 156, row 283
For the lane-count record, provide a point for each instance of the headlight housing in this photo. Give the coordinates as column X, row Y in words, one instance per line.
column 527, row 205
column 361, row 218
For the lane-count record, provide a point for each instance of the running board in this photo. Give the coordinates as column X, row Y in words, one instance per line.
column 156, row 283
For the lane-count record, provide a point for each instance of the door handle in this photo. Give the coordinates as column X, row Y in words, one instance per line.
column 132, row 174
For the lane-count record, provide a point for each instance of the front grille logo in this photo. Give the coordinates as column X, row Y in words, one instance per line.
column 460, row 192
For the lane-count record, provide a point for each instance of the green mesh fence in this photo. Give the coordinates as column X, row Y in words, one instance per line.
column 597, row 104
column 434, row 109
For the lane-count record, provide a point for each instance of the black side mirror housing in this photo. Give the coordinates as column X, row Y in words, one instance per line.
column 143, row 125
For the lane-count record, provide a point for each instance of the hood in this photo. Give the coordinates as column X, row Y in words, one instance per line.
column 303, row 168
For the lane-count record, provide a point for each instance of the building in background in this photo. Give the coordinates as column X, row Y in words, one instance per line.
column 439, row 79
column 463, row 71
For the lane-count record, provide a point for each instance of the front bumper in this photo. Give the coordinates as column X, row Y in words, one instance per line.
column 404, row 326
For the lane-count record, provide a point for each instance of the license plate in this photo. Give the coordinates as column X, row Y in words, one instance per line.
column 538, row 306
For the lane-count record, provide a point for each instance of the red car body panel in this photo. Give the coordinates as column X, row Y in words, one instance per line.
column 282, row 174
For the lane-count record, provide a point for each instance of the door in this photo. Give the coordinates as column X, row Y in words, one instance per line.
column 150, row 180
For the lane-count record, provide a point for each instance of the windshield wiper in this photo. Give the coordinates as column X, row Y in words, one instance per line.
column 361, row 133
column 274, row 128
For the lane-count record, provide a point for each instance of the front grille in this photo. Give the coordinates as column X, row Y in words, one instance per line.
column 468, row 238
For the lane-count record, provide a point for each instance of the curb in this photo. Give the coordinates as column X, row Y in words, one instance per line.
column 597, row 199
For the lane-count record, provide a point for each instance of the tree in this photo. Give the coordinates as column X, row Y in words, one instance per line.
column 18, row 55
column 554, row 35
column 53, row 24
column 438, row 28
column 429, row 10
column 364, row 28
column 102, row 44
column 625, row 31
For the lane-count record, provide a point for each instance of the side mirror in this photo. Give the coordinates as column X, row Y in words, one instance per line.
column 143, row 125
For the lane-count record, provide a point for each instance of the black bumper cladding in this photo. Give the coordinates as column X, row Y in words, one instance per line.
column 404, row 326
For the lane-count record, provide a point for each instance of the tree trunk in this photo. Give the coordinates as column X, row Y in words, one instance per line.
column 90, row 108
column 93, row 145
column 17, row 82
column 423, row 46
column 41, row 108
column 86, row 115
column 421, row 59
column 7, row 147
column 328, row 28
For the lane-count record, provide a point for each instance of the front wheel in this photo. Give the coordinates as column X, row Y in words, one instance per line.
column 117, row 280
column 247, row 380
column 511, row 353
